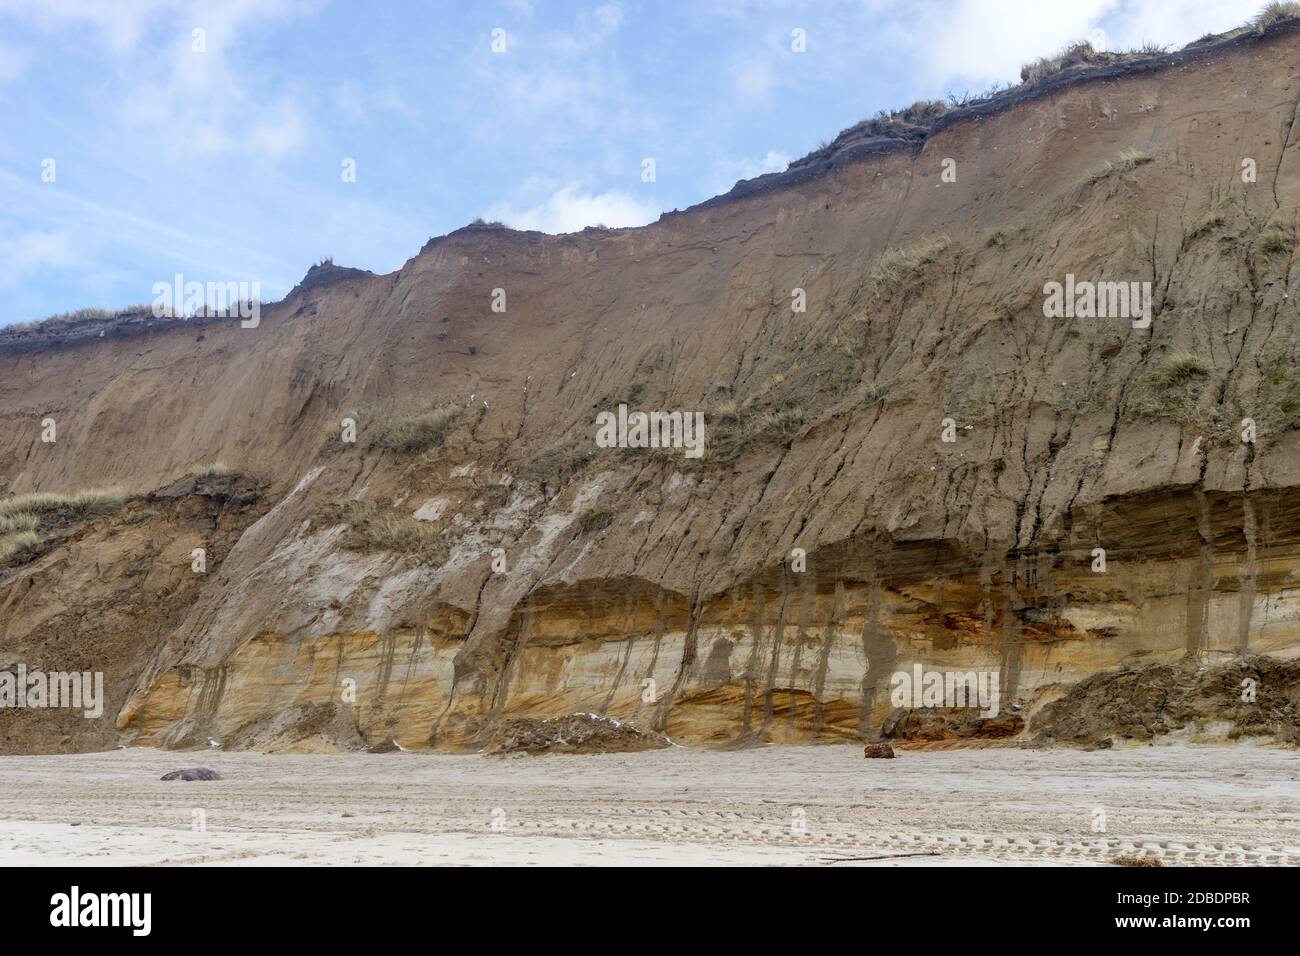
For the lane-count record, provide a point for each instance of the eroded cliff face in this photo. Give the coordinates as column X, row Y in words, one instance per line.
column 507, row 566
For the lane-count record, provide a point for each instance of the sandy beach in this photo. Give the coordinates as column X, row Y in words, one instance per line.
column 815, row 806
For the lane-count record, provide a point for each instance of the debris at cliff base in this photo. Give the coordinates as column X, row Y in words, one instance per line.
column 319, row 727
column 1249, row 697
column 571, row 734
column 878, row 751
column 192, row 773
column 964, row 723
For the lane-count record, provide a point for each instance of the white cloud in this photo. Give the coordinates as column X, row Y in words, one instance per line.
column 569, row 209
column 224, row 249
column 279, row 133
column 34, row 251
column 1175, row 22
column 608, row 17
column 182, row 97
column 120, row 23
column 752, row 79
column 981, row 42
column 987, row 41
column 728, row 172
column 356, row 103
column 13, row 62
column 523, row 8
column 591, row 29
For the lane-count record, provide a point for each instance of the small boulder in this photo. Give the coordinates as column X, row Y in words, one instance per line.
column 192, row 773
column 878, row 750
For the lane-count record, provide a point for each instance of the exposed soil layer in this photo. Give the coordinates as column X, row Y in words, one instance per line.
column 921, row 467
column 105, row 593
column 950, row 724
column 321, row 727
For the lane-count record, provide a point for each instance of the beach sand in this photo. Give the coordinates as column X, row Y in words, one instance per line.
column 780, row 805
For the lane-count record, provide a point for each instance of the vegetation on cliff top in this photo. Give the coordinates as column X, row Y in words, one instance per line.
column 22, row 516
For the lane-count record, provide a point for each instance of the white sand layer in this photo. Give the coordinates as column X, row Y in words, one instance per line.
column 819, row 806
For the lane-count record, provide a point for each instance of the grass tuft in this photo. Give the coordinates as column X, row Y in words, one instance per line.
column 1275, row 13
column 19, row 521
column 371, row 528
column 593, row 522
column 79, row 504
column 1075, row 53
column 556, row 466
column 898, row 263
column 417, row 433
column 1172, row 390
column 1129, row 160
column 1274, row 241
column 21, row 544
column 1179, row 369
column 1277, row 398
column 727, row 438
column 66, row 320
column 214, row 469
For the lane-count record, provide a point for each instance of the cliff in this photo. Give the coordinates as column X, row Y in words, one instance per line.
column 665, row 591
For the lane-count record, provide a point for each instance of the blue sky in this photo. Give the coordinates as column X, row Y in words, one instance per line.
column 225, row 164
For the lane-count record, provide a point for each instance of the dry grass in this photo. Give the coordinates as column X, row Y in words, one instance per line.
column 22, row 515
column 1082, row 53
column 1172, row 390
column 417, row 433
column 1180, row 368
column 332, row 432
column 1072, row 55
column 914, row 123
column 1275, row 13
column 557, row 465
column 1276, row 403
column 371, row 528
column 80, row 316
column 216, row 469
column 79, row 504
column 995, row 237
column 19, row 521
column 726, row 411
column 910, row 123
column 1129, row 160
column 728, row 438
column 1274, row 241
column 593, row 522
column 18, row 545
column 898, row 263
column 902, row 123
column 1207, row 225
